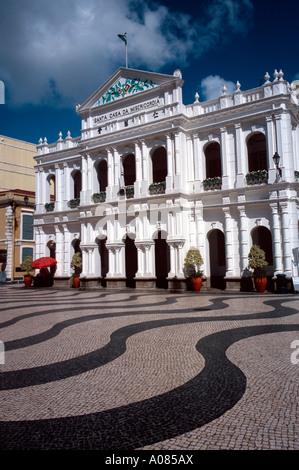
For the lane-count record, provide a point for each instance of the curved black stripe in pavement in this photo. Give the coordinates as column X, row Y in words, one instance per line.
column 215, row 390
column 58, row 327
column 108, row 353
column 70, row 304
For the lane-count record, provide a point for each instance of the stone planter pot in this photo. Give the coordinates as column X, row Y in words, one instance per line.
column 196, row 283
column 260, row 284
column 27, row 281
column 76, row 282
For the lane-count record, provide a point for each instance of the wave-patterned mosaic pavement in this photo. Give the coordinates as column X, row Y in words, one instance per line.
column 109, row 370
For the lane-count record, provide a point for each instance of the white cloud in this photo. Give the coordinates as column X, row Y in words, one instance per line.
column 212, row 85
column 58, row 52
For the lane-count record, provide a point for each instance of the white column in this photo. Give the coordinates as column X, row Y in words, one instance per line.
column 196, row 154
column 67, row 251
column 228, row 242
column 179, row 272
column 172, row 250
column 140, row 261
column 110, row 169
column 144, row 168
column 285, row 222
column 59, row 187
column 169, row 178
column 177, row 160
column 67, row 184
column 85, row 267
column 38, row 194
column 223, row 146
column 243, row 238
column 45, row 188
column 89, row 189
column 276, row 239
column 84, row 179
column 200, row 235
column 138, row 170
column 59, row 251
column 271, row 149
column 240, row 156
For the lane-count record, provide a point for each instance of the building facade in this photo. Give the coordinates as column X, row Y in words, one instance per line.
column 17, row 200
column 150, row 177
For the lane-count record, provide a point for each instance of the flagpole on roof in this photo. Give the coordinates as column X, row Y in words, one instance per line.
column 123, row 37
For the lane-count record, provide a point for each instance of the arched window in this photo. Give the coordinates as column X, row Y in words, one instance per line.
column 52, row 188
column 159, row 161
column 257, row 152
column 102, row 174
column 213, row 160
column 129, row 169
column 77, row 184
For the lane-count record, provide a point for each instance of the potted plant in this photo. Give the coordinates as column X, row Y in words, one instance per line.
column 76, row 264
column 257, row 262
column 192, row 264
column 26, row 266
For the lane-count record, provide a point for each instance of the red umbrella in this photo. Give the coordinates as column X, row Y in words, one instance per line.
column 44, row 262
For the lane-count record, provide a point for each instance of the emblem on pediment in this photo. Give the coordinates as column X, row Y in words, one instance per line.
column 123, row 87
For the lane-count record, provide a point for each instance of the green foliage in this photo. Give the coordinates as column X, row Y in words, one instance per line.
column 76, row 263
column 256, row 258
column 26, row 265
column 192, row 263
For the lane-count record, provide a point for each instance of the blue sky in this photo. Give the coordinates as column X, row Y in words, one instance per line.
column 56, row 53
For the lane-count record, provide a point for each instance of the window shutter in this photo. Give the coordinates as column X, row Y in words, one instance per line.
column 26, row 251
column 27, row 227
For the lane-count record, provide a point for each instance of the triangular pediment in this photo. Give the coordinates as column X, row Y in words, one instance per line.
column 125, row 83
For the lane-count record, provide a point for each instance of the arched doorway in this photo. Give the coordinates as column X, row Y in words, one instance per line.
column 162, row 259
column 52, row 253
column 77, row 249
column 104, row 256
column 262, row 237
column 213, row 160
column 131, row 261
column 257, row 152
column 217, row 259
column 159, row 162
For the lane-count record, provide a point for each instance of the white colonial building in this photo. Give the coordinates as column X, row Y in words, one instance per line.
column 150, row 177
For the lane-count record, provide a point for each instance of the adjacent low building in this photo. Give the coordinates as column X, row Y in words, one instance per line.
column 17, row 201
column 150, row 177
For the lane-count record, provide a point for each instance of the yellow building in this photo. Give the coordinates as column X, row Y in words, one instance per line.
column 17, row 199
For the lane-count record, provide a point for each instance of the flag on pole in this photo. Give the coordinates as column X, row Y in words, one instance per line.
column 123, row 37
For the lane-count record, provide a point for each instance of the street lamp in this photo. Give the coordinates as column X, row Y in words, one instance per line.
column 276, row 159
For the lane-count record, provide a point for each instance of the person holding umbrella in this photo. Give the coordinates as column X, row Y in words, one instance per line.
column 44, row 278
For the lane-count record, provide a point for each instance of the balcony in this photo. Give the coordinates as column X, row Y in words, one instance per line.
column 99, row 197
column 257, row 177
column 49, row 206
column 126, row 191
column 73, row 203
column 212, row 183
column 157, row 188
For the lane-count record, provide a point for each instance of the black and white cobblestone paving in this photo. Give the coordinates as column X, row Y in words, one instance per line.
column 109, row 370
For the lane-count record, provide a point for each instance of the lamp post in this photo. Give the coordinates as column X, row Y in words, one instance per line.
column 276, row 158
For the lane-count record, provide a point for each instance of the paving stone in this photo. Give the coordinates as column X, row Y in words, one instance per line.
column 131, row 370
